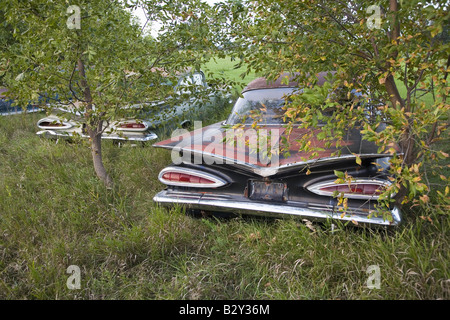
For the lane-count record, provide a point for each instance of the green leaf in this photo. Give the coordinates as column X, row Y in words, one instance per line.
column 339, row 174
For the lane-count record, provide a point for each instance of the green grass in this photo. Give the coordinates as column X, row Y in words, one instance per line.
column 55, row 213
column 228, row 69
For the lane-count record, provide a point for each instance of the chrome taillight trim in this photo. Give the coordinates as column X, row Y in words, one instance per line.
column 65, row 125
column 315, row 188
column 218, row 182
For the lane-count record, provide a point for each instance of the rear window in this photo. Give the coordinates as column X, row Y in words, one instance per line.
column 265, row 106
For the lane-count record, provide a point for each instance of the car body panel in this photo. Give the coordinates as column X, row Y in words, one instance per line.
column 283, row 184
column 205, row 142
column 295, row 199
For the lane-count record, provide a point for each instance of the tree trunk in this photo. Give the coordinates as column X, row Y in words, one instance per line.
column 392, row 90
column 406, row 142
column 393, row 35
column 94, row 128
column 96, row 150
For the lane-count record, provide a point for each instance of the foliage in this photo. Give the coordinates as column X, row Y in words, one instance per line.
column 95, row 59
column 394, row 54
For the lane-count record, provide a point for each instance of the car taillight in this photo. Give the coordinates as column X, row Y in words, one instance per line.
column 368, row 189
column 357, row 189
column 51, row 124
column 184, row 177
column 132, row 126
column 139, row 126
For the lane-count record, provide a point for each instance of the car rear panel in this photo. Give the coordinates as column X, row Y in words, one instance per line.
column 277, row 196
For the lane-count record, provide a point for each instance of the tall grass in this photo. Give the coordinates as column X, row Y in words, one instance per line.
column 228, row 69
column 55, row 213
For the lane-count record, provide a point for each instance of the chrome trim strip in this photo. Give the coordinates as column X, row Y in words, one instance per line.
column 273, row 170
column 218, row 182
column 193, row 195
column 147, row 137
column 333, row 159
column 216, row 197
column 66, row 135
column 166, row 198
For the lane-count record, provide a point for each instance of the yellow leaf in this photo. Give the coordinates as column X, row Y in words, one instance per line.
column 392, row 150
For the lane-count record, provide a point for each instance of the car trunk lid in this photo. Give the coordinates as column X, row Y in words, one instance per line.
column 246, row 148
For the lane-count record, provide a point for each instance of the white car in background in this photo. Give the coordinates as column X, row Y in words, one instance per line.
column 64, row 123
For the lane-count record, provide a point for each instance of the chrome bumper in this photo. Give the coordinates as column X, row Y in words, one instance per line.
column 226, row 203
column 130, row 137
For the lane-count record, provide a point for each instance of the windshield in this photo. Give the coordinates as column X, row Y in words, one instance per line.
column 196, row 79
column 264, row 106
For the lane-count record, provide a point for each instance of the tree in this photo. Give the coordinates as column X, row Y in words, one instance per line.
column 6, row 38
column 394, row 52
column 93, row 56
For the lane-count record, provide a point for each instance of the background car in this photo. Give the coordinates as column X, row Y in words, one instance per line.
column 213, row 175
column 8, row 107
column 147, row 117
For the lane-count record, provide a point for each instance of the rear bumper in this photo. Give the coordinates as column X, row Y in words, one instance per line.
column 226, row 203
column 54, row 134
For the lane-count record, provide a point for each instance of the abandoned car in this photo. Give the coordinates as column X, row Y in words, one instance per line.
column 213, row 172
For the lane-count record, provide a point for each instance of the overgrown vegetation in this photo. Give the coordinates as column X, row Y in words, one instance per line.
column 54, row 213
column 392, row 52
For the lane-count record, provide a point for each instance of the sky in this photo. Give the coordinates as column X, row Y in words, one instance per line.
column 153, row 26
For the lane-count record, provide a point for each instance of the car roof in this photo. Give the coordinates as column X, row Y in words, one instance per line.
column 263, row 83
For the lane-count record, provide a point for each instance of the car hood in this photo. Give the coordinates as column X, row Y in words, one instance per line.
column 216, row 144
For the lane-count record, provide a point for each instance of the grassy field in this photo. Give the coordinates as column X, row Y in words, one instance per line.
column 55, row 213
column 228, row 69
